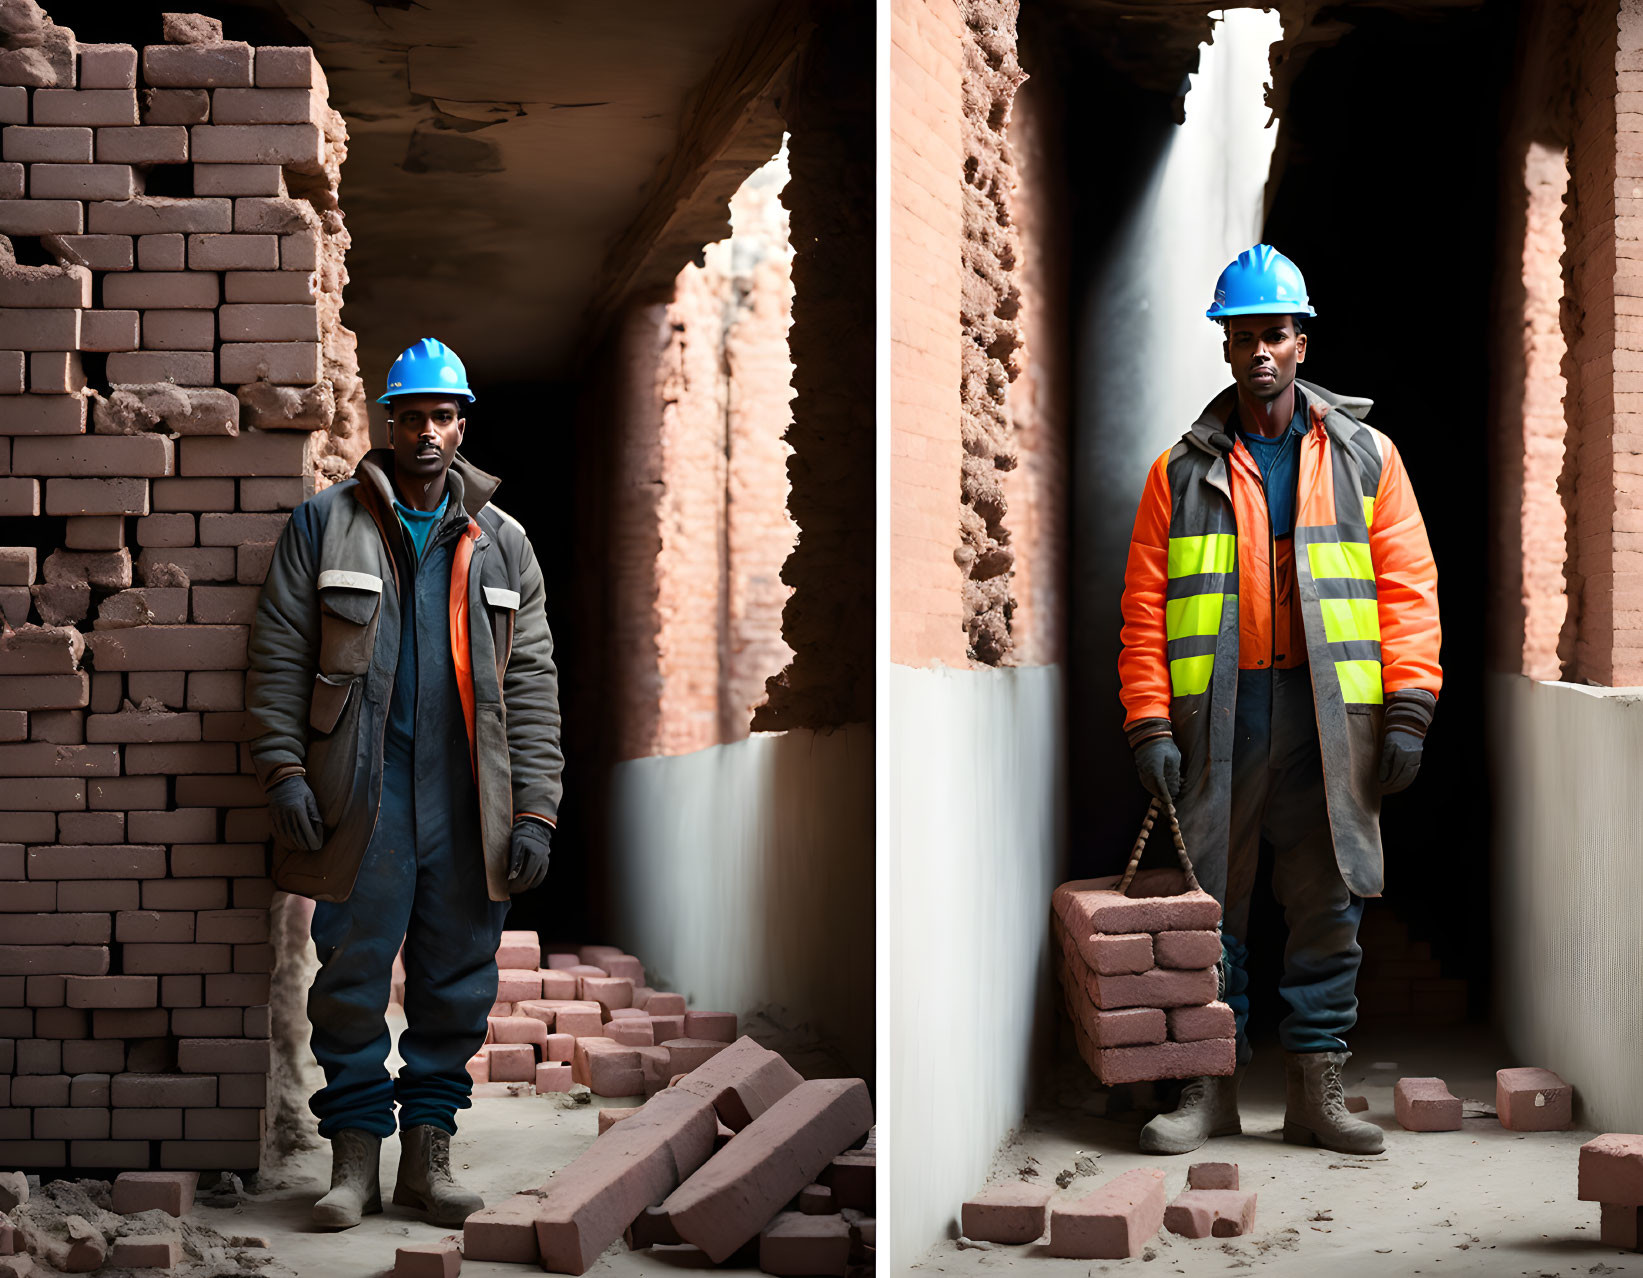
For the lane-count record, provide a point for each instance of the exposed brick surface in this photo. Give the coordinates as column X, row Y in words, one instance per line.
column 136, row 859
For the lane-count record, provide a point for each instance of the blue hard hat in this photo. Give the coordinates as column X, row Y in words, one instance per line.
column 428, row 368
column 1261, row 282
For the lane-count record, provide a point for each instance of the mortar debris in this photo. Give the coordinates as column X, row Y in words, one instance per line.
column 45, row 1225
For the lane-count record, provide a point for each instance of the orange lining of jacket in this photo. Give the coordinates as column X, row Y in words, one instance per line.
column 461, row 655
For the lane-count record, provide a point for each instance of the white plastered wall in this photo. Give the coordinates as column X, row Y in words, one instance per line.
column 743, row 876
column 976, row 780
column 1569, row 888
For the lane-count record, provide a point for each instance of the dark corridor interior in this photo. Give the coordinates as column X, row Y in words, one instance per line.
column 1386, row 197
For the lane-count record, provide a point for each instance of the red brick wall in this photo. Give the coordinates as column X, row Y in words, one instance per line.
column 134, row 953
column 927, row 620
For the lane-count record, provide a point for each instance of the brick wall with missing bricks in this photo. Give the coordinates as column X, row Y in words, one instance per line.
column 174, row 378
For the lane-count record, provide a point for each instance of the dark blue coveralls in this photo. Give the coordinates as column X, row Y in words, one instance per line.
column 422, row 883
column 1278, row 795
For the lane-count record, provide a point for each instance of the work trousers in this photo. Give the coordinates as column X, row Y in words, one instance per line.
column 1278, row 795
column 422, row 883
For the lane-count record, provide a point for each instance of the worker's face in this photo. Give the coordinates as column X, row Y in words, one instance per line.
column 1263, row 352
column 425, row 431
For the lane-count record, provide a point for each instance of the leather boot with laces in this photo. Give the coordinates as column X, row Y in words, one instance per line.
column 1315, row 1110
column 1208, row 1107
column 425, row 1182
column 355, row 1188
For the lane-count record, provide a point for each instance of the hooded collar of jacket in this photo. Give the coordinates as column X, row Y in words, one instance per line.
column 1213, row 420
column 470, row 488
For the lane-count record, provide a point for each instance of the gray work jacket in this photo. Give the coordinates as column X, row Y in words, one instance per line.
column 325, row 644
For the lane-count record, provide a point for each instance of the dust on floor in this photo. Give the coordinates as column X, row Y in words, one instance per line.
column 1479, row 1201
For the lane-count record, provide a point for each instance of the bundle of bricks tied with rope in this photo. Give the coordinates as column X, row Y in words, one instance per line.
column 1139, row 966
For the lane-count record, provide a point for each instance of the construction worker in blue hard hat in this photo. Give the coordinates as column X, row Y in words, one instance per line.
column 402, row 676
column 1279, row 671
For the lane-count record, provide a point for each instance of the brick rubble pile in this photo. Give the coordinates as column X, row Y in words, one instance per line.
column 1138, row 977
column 736, row 1156
column 174, row 379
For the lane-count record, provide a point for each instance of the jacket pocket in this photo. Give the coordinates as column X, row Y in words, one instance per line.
column 349, row 602
column 330, row 697
column 503, row 604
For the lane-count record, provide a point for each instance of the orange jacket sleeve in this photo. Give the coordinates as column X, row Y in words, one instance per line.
column 1143, row 664
column 1406, row 582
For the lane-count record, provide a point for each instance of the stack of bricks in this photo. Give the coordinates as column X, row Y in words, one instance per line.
column 134, row 955
column 740, row 1152
column 1138, row 976
column 586, row 1016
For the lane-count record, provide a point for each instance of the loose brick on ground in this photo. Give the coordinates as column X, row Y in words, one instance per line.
column 169, row 1191
column 1113, row 1222
column 1011, row 1212
column 441, row 1259
column 635, row 1164
column 1426, row 1105
column 1528, row 1099
column 1611, row 1169
column 1206, row 1213
column 724, row 1205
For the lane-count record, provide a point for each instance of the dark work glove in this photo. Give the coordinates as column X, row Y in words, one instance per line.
column 1159, row 763
column 528, row 865
column 294, row 815
column 1400, row 760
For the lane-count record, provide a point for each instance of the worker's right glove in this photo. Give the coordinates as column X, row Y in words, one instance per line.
column 294, row 814
column 1158, row 760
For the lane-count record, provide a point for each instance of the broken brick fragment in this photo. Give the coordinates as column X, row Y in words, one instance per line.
column 1425, row 1105
column 1011, row 1212
column 1211, row 1213
column 442, row 1259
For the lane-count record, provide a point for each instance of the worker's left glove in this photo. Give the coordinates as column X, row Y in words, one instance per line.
column 1408, row 714
column 528, row 864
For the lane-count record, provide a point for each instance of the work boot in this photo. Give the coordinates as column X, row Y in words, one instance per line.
column 1208, row 1107
column 355, row 1189
column 1315, row 1110
column 425, row 1181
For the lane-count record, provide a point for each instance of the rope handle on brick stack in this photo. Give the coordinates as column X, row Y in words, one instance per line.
column 1141, row 845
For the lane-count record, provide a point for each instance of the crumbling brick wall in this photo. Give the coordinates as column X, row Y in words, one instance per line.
column 198, row 333
column 828, row 620
column 1603, row 561
column 991, row 350
column 702, row 523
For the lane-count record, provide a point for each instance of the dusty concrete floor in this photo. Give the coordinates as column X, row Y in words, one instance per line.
column 504, row 1144
column 1482, row 1200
